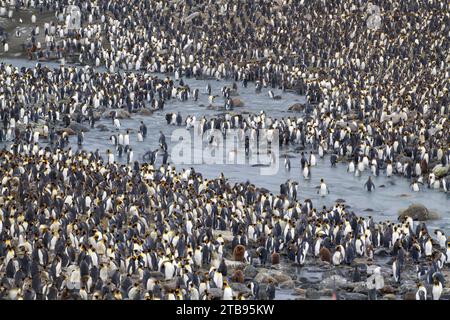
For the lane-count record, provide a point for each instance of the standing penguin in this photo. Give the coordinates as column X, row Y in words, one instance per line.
column 307, row 172
column 396, row 270
column 287, row 163
column 323, row 189
column 437, row 290
column 227, row 291
column 421, row 293
column 369, row 185
column 80, row 137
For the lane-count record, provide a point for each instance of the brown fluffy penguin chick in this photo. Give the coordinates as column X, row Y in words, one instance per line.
column 325, row 254
column 238, row 253
column 275, row 258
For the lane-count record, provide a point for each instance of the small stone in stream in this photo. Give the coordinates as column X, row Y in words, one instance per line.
column 145, row 112
column 299, row 291
column 312, row 294
column 339, row 200
column 334, row 281
column 382, row 186
column 368, row 210
column 327, row 292
column 353, row 296
column 77, row 127
column 102, row 127
column 418, row 212
column 389, row 296
column 289, row 284
column 280, row 276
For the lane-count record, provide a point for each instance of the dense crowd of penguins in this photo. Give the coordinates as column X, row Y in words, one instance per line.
column 75, row 226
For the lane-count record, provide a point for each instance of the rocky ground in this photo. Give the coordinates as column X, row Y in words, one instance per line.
column 319, row 280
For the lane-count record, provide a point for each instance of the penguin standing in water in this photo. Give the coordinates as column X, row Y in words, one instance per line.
column 80, row 137
column 130, row 156
column 273, row 96
column 323, row 188
column 307, row 172
column 415, row 186
column 140, row 137
column 195, row 94
column 369, row 185
column 143, row 130
column 208, row 89
column 287, row 163
column 179, row 119
column 333, row 160
column 116, row 122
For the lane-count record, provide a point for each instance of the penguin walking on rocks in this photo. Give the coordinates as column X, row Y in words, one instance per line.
column 396, row 270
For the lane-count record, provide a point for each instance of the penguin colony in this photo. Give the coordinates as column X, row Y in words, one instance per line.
column 364, row 150
column 76, row 226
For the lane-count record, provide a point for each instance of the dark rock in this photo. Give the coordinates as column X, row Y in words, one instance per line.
column 237, row 102
column 297, row 107
column 145, row 112
column 102, row 127
column 120, row 114
column 239, row 287
column 289, row 284
column 77, row 127
column 250, row 271
column 417, row 212
column 312, row 294
column 409, row 296
column 387, row 289
column 353, row 296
